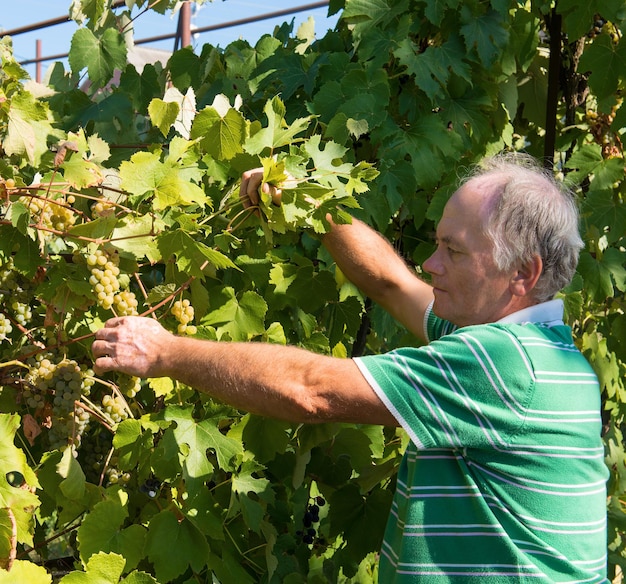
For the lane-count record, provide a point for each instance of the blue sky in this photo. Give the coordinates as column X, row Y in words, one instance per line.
column 56, row 40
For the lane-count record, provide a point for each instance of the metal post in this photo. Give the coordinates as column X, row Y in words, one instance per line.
column 38, row 66
column 185, row 24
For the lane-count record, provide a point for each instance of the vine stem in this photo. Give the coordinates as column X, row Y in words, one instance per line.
column 95, row 411
column 45, row 542
column 241, row 553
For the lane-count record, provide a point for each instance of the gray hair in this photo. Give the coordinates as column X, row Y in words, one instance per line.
column 531, row 213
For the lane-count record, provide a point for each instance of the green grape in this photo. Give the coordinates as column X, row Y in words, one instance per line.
column 5, row 327
column 60, row 384
column 115, row 407
column 50, row 214
column 129, row 385
column 21, row 312
column 184, row 313
column 125, row 303
column 104, row 272
column 102, row 208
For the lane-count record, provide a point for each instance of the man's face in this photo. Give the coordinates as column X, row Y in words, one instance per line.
column 467, row 286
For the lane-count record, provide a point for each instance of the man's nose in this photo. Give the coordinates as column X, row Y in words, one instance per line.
column 432, row 265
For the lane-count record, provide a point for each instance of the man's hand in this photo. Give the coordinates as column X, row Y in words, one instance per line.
column 133, row 345
column 249, row 191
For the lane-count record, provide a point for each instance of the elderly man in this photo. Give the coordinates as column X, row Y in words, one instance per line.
column 503, row 479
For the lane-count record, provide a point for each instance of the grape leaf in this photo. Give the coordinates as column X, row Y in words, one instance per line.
column 136, row 236
column 81, row 173
column 23, row 571
column 199, row 438
column 435, row 11
column 277, row 133
column 101, row 56
column 101, row 531
column 222, row 137
column 146, row 175
column 99, row 228
column 131, row 441
column 578, row 15
column 163, row 114
column 102, row 568
column 599, row 274
column 601, row 209
column 21, row 501
column 240, row 319
column 588, row 163
column 361, row 518
column 606, row 63
column 191, row 255
column 173, row 545
column 19, row 216
column 28, row 127
column 262, row 436
column 206, row 514
column 485, row 33
column 73, row 484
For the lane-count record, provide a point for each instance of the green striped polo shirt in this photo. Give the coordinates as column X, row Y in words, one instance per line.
column 504, row 477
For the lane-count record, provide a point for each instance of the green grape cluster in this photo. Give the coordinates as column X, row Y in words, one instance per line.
column 184, row 313
column 14, row 290
column 125, row 303
column 104, row 276
column 55, row 215
column 129, row 385
column 8, row 282
column 115, row 476
column 102, row 208
column 21, row 312
column 115, row 407
column 60, row 386
column 5, row 327
column 104, row 279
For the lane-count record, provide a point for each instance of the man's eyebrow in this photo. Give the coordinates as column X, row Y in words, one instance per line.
column 447, row 239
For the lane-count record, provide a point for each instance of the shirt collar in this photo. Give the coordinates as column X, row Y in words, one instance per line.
column 550, row 313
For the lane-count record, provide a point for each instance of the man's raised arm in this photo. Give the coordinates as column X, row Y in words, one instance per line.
column 368, row 260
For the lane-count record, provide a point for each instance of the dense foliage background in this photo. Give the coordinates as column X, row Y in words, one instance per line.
column 121, row 198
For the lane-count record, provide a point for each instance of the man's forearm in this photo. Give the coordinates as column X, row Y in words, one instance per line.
column 371, row 263
column 272, row 380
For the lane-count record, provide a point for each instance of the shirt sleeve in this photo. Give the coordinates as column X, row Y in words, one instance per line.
column 469, row 389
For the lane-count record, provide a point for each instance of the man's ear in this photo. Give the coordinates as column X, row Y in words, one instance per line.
column 525, row 279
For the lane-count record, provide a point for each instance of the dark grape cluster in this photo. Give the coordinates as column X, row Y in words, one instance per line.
column 151, row 487
column 311, row 518
column 99, row 461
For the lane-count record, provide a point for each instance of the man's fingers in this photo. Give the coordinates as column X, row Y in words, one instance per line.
column 276, row 194
column 103, row 364
column 249, row 190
